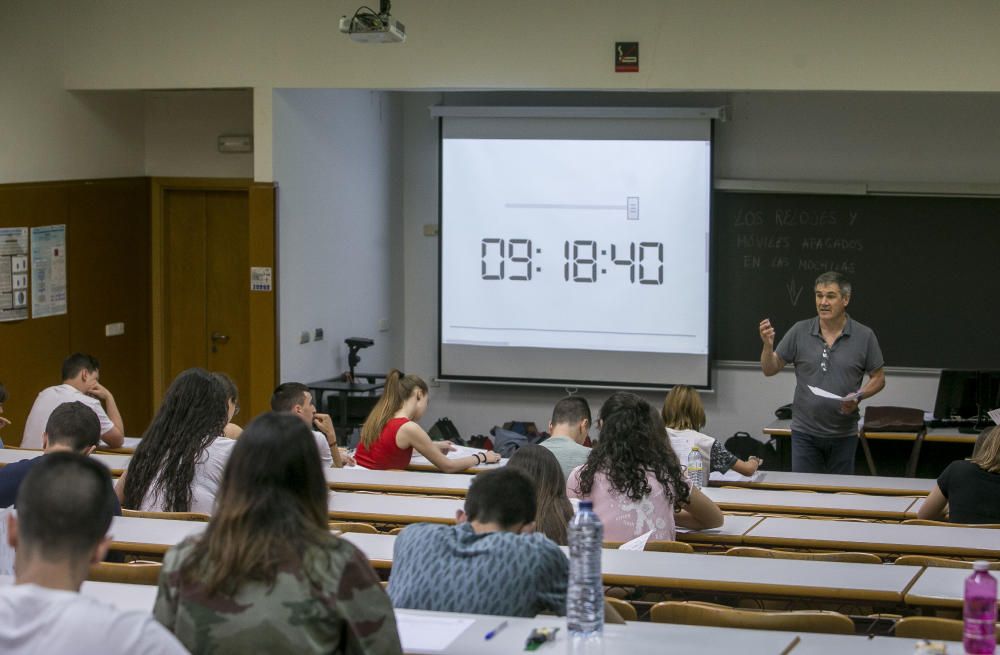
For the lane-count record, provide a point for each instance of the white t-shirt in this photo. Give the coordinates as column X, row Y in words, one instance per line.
column 325, row 456
column 42, row 621
column 683, row 441
column 48, row 400
column 207, row 476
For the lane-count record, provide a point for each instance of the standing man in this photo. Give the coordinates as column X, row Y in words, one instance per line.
column 80, row 376
column 831, row 352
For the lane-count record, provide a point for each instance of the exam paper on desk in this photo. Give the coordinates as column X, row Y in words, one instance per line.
column 429, row 633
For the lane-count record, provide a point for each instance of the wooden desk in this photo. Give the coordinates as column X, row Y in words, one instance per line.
column 939, row 587
column 127, row 448
column 421, row 463
column 357, row 478
column 730, row 533
column 862, row 484
column 874, row 537
column 382, row 508
column 152, row 536
column 116, row 463
column 800, row 502
column 814, row 643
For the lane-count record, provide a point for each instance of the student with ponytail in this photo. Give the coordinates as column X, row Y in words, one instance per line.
column 390, row 433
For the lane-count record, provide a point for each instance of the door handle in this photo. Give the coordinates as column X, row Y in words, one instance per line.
column 217, row 338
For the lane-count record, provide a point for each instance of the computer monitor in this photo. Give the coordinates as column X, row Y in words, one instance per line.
column 967, row 395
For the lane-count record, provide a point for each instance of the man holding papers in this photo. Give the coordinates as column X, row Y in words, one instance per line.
column 831, row 353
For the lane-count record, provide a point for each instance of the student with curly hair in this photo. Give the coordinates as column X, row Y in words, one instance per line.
column 635, row 480
column 267, row 575
column 179, row 462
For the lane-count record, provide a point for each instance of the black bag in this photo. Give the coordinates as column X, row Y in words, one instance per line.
column 444, row 430
column 744, row 446
column 784, row 412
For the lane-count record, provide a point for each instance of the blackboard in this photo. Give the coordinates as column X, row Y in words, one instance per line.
column 925, row 271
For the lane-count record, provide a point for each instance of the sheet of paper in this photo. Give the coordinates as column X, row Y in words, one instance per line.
column 823, row 393
column 429, row 633
column 639, row 543
column 995, row 415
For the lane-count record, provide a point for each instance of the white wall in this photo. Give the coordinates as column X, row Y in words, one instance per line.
column 46, row 132
column 339, row 258
column 182, row 128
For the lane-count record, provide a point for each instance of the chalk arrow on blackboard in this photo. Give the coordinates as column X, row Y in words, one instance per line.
column 794, row 291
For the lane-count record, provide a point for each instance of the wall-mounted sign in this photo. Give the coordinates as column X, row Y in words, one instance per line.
column 627, row 57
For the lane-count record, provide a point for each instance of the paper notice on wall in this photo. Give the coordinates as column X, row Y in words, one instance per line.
column 48, row 270
column 13, row 273
column 260, row 278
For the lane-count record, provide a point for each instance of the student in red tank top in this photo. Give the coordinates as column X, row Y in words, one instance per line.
column 390, row 433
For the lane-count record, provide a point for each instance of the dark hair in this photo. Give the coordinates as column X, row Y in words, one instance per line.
column 504, row 496
column 77, row 362
column 74, row 425
column 571, row 409
column 553, row 510
column 833, row 277
column 630, row 446
column 270, row 509
column 228, row 387
column 287, row 396
column 64, row 506
column 3, row 393
column 398, row 388
column 193, row 414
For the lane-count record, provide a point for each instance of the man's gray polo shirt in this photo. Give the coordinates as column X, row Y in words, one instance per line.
column 839, row 370
column 569, row 453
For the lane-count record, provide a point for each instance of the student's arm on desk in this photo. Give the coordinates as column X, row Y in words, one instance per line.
column 700, row 513
column 120, row 488
column 934, row 507
column 115, row 437
column 412, row 435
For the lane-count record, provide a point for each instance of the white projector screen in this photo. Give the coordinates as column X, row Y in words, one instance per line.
column 575, row 251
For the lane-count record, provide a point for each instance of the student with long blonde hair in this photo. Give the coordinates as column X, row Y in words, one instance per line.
column 391, row 433
column 684, row 416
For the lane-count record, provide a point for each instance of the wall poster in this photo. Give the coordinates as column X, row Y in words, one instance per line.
column 48, row 270
column 13, row 273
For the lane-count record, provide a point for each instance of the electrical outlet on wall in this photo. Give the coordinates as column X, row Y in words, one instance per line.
column 383, row 325
column 304, row 337
column 318, row 334
column 114, row 329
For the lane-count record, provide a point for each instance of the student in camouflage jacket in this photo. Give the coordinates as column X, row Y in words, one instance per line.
column 267, row 576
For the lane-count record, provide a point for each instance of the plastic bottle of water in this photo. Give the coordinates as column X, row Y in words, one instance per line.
column 585, row 594
column 696, row 468
column 980, row 612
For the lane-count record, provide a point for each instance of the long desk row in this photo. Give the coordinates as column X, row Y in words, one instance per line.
column 423, row 632
column 872, row 583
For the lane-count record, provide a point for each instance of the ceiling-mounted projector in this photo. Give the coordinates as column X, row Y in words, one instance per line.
column 365, row 26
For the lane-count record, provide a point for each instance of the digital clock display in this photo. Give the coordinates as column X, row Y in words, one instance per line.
column 583, row 260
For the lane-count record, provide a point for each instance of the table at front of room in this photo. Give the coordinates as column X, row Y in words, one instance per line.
column 832, row 482
column 781, row 430
column 347, row 416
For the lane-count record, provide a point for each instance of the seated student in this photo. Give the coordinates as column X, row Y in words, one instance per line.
column 554, row 510
column 64, row 510
column 267, row 576
column 491, row 562
column 968, row 490
column 635, row 480
column 178, row 463
column 80, row 375
column 296, row 398
column 684, row 416
column 390, row 433
column 231, row 430
column 72, row 427
column 569, row 428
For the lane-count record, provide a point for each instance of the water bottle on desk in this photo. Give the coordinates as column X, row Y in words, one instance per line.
column 696, row 468
column 980, row 611
column 585, row 593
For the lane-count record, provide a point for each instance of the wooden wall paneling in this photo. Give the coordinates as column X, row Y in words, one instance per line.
column 109, row 267
column 263, row 304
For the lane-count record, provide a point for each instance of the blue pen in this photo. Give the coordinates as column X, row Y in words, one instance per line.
column 495, row 631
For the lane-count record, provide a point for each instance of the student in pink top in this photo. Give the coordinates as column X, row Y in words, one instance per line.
column 635, row 480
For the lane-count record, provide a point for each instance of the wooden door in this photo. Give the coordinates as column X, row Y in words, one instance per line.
column 206, row 282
